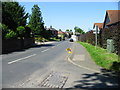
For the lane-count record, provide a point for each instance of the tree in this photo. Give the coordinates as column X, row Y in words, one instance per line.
column 47, row 34
column 36, row 21
column 67, row 30
column 13, row 15
column 28, row 31
column 60, row 30
column 79, row 30
column 7, row 33
column 21, row 31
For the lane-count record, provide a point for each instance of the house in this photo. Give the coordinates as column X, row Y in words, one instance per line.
column 111, row 18
column 53, row 30
column 97, row 27
column 108, row 36
column 69, row 33
column 61, row 35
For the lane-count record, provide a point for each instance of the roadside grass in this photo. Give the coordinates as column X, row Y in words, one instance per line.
column 102, row 58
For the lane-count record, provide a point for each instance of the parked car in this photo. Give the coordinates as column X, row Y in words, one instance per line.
column 71, row 40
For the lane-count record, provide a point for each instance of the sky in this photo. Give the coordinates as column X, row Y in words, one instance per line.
column 67, row 15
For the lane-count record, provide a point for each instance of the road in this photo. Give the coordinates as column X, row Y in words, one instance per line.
column 46, row 66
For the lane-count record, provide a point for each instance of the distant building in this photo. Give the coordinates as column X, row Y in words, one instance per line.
column 53, row 30
column 61, row 35
column 68, row 34
column 97, row 26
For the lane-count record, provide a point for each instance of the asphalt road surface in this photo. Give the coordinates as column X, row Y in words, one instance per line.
column 46, row 66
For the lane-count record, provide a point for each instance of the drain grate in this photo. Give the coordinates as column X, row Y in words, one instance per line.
column 55, row 80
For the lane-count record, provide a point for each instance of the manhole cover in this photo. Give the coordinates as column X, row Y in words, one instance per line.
column 55, row 80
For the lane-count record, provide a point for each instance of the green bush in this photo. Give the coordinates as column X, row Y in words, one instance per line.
column 20, row 31
column 10, row 34
column 4, row 30
column 7, row 33
column 40, row 39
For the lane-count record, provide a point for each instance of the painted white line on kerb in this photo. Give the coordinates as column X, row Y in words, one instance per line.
column 21, row 59
column 45, row 50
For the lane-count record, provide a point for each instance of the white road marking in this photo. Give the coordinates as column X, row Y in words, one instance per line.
column 53, row 47
column 82, row 66
column 21, row 59
column 45, row 50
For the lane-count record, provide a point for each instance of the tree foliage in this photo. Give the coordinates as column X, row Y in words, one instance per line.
column 79, row 30
column 7, row 33
column 13, row 15
column 36, row 21
column 28, row 31
column 47, row 34
column 67, row 30
column 10, row 34
column 20, row 31
column 14, row 19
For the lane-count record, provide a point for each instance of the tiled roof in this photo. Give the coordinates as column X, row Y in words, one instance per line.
column 60, row 32
column 100, row 25
column 113, row 15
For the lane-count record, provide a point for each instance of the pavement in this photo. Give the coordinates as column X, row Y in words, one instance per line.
column 41, row 43
column 81, row 58
column 102, row 78
column 51, row 66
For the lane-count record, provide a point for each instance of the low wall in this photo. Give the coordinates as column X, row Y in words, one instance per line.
column 28, row 42
column 10, row 45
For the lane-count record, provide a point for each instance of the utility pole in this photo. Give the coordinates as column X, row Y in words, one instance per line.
column 96, row 36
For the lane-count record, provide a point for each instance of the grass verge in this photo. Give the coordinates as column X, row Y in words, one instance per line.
column 102, row 57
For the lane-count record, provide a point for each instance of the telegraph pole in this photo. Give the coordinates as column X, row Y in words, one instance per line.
column 96, row 36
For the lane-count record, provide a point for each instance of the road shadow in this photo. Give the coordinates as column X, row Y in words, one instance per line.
column 26, row 48
column 104, row 80
column 12, row 51
column 42, row 45
column 115, row 66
